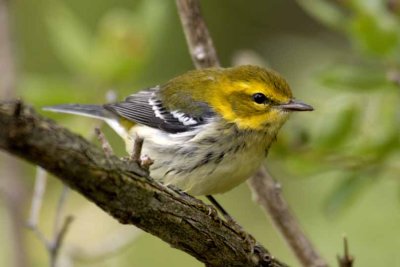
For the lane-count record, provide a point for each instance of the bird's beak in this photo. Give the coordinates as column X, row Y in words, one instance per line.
column 294, row 105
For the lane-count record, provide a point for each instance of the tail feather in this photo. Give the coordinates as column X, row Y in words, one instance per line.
column 93, row 111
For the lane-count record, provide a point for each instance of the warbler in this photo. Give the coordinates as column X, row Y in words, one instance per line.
column 207, row 130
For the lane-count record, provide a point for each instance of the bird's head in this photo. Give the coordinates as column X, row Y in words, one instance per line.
column 254, row 98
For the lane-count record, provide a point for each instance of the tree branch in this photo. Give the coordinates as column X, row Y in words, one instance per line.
column 125, row 191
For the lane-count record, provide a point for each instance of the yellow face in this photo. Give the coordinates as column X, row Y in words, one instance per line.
column 253, row 103
column 249, row 96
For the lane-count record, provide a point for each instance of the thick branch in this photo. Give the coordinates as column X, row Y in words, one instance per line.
column 124, row 190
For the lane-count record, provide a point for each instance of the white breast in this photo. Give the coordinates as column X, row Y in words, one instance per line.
column 212, row 159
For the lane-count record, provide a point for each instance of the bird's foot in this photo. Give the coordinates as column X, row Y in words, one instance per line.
column 234, row 224
column 144, row 161
column 249, row 239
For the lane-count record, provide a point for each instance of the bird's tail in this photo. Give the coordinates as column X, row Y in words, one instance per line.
column 93, row 111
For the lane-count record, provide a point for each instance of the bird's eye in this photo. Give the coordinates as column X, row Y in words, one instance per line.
column 260, row 98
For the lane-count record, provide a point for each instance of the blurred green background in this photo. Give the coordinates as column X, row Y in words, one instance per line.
column 339, row 165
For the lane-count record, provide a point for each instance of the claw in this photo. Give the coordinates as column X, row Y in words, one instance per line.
column 145, row 162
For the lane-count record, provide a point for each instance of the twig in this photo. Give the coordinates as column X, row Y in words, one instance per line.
column 53, row 246
column 268, row 194
column 110, row 97
column 37, row 198
column 197, row 36
column 105, row 145
column 58, row 218
column 347, row 260
column 36, row 205
column 126, row 192
column 204, row 55
column 59, row 238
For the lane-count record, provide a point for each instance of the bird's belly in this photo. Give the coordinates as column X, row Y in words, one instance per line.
column 200, row 165
column 198, row 178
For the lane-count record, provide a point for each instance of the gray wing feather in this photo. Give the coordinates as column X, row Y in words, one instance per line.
column 95, row 111
column 146, row 108
column 143, row 107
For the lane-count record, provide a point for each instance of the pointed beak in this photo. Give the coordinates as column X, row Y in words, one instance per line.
column 295, row 105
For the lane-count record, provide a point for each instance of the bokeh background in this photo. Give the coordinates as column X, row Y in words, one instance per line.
column 339, row 165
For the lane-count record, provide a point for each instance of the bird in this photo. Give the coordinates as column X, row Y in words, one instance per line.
column 207, row 130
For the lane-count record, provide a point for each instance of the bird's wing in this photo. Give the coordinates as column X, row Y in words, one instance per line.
column 146, row 107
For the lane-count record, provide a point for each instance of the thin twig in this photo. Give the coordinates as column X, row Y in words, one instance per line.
column 268, row 194
column 58, row 218
column 347, row 260
column 37, row 198
column 110, row 97
column 197, row 36
column 105, row 145
column 58, row 241
column 36, row 205
column 61, row 225
column 54, row 245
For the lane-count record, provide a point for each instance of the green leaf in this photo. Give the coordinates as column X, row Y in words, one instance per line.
column 374, row 34
column 346, row 192
column 325, row 12
column 354, row 77
column 339, row 128
column 70, row 38
column 380, row 151
column 380, row 127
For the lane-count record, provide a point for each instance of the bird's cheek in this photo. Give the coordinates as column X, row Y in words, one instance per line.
column 277, row 117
